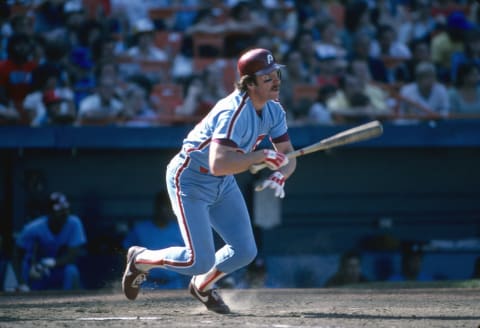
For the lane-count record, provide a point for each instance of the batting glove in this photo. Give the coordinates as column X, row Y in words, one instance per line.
column 276, row 181
column 274, row 160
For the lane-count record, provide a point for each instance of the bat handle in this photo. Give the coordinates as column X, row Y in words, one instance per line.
column 257, row 167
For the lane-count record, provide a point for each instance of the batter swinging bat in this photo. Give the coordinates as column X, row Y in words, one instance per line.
column 359, row 133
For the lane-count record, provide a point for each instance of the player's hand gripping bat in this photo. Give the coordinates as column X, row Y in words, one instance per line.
column 359, row 133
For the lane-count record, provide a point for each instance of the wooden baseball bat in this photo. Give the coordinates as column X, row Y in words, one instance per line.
column 359, row 133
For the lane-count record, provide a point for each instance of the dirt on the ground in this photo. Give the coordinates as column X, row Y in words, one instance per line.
column 280, row 308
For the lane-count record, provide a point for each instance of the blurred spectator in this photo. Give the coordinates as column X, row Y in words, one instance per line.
column 349, row 271
column 318, row 112
column 103, row 106
column 418, row 24
column 143, row 47
column 48, row 247
column 60, row 107
column 50, row 103
column 310, row 13
column 56, row 55
column 425, row 95
column 471, row 53
column 282, row 26
column 387, row 44
column 207, row 20
column 388, row 12
column 357, row 20
column 411, row 265
column 392, row 52
column 106, row 49
column 50, row 15
column 160, row 231
column 447, row 42
column 5, row 29
column 295, row 73
column 22, row 24
column 303, row 43
column 379, row 99
column 72, row 20
column 243, row 22
column 420, row 53
column 203, row 91
column 138, row 111
column 129, row 12
column 81, row 53
column 15, row 78
column 465, row 93
column 329, row 70
column 350, row 104
column 361, row 45
column 443, row 8
column 184, row 16
column 329, row 45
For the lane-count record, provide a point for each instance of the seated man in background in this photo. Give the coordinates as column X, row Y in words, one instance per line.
column 349, row 271
column 411, row 265
column 158, row 232
column 48, row 247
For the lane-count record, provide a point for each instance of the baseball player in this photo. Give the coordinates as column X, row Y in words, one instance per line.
column 203, row 190
column 48, row 247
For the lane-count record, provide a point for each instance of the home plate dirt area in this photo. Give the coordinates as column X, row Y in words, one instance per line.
column 280, row 308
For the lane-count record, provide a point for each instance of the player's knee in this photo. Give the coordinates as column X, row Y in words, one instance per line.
column 203, row 264
column 247, row 254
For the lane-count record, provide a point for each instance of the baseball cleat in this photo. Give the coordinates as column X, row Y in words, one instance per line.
column 212, row 300
column 132, row 277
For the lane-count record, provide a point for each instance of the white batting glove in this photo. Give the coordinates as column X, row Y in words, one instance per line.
column 274, row 160
column 36, row 271
column 276, row 181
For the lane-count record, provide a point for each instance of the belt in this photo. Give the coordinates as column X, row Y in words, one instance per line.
column 192, row 165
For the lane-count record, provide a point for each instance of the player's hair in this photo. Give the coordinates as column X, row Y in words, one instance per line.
column 242, row 83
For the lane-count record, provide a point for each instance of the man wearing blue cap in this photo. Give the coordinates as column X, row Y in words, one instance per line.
column 47, row 248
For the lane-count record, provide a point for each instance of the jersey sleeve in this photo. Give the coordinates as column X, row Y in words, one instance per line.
column 229, row 126
column 77, row 237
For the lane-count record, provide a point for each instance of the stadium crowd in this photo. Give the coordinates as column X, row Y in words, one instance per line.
column 143, row 63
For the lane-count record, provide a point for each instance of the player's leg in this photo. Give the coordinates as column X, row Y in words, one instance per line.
column 71, row 277
column 230, row 218
column 198, row 254
column 191, row 195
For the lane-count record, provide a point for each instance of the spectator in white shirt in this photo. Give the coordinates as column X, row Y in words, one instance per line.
column 425, row 95
column 102, row 107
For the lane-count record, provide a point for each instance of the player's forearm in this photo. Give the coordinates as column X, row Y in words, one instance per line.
column 232, row 162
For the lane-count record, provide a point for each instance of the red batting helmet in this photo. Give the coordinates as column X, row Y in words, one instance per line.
column 257, row 62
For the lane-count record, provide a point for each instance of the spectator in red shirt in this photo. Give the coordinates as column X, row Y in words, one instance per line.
column 15, row 77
